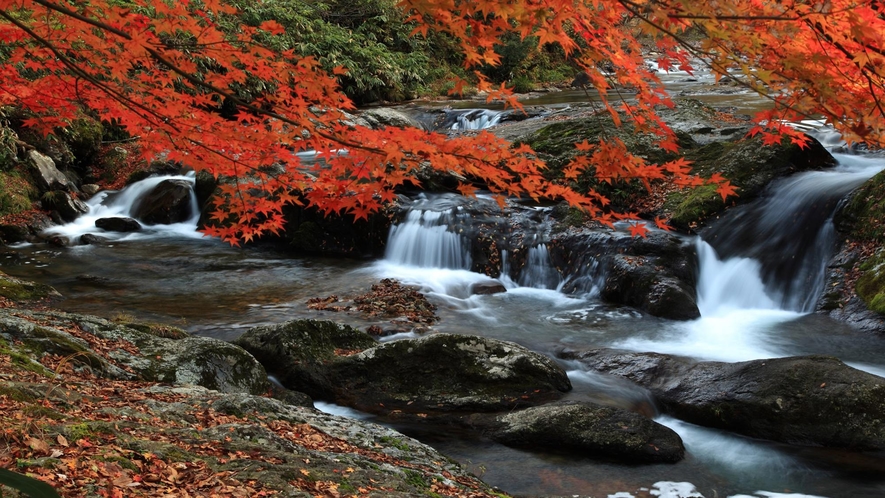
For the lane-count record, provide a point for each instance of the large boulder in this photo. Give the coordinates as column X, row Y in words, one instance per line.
column 445, row 373
column 47, row 175
column 297, row 352
column 380, row 117
column 811, row 400
column 169, row 202
column 588, row 430
column 67, row 207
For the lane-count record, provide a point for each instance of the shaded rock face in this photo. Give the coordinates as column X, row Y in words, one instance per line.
column 811, row 400
column 446, row 373
column 589, row 430
column 210, row 363
column 169, row 202
column 68, row 208
column 48, row 176
column 657, row 274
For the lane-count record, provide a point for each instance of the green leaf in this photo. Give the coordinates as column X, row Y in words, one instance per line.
column 34, row 488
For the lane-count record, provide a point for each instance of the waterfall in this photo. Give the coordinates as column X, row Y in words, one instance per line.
column 539, row 271
column 426, row 239
column 476, row 119
column 785, row 239
column 122, row 204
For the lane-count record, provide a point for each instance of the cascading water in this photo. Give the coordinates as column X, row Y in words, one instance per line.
column 790, row 232
column 476, row 119
column 425, row 239
column 122, row 204
column 539, row 271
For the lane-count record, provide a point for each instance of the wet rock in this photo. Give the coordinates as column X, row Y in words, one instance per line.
column 296, row 352
column 810, row 400
column 169, row 202
column 90, row 189
column 485, row 289
column 118, row 224
column 635, row 281
column 589, row 430
column 310, row 231
column 443, row 373
column 656, row 274
column 17, row 289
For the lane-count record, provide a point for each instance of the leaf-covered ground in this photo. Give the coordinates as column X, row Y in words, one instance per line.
column 91, row 436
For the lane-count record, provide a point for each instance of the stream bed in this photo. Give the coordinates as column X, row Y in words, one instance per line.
column 171, row 274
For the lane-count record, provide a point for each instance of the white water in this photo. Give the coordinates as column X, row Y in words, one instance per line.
column 110, row 204
column 477, row 119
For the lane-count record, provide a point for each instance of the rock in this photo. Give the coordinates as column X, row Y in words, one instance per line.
column 485, row 289
column 635, row 282
column 202, row 361
column 383, row 116
column 656, row 274
column 90, row 189
column 443, row 373
column 68, row 208
column 48, row 176
column 591, row 430
column 747, row 164
column 296, row 352
column 118, row 224
column 169, row 202
column 17, row 289
column 810, row 400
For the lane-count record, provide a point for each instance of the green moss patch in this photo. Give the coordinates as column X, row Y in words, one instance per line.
column 865, row 212
column 871, row 284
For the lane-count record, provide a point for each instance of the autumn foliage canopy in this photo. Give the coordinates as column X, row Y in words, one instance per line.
column 164, row 69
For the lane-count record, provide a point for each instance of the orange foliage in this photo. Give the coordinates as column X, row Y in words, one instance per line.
column 138, row 65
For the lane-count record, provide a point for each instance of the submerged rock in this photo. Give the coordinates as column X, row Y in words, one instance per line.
column 810, row 400
column 589, row 430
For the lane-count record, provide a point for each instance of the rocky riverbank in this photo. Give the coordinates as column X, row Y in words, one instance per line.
column 102, row 408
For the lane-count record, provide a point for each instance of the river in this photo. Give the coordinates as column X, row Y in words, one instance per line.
column 172, row 274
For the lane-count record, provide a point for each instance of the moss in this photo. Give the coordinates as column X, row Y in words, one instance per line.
column 689, row 206
column 871, row 284
column 17, row 191
column 865, row 211
column 22, row 360
column 121, row 461
column 21, row 290
column 38, row 411
column 394, row 443
column 76, row 432
column 415, row 479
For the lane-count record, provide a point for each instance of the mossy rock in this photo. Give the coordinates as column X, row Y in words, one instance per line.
column 296, row 351
column 748, row 165
column 863, row 216
column 22, row 290
column 871, row 284
column 555, row 144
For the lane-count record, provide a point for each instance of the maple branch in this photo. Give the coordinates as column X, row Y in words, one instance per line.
column 116, row 95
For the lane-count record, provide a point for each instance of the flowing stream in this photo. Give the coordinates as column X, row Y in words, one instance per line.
column 752, row 307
